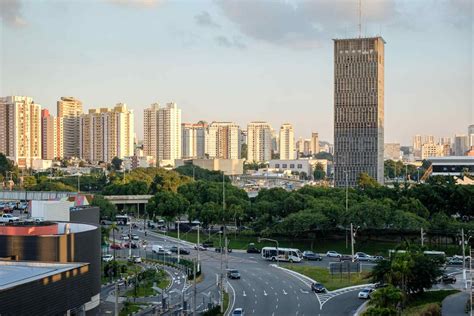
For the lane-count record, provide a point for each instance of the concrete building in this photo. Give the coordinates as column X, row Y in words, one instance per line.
column 230, row 167
column 417, row 143
column 275, row 142
column 470, row 133
column 133, row 162
column 432, row 150
column 51, row 136
column 298, row 165
column 287, row 142
column 429, row 139
column 69, row 110
column 259, row 141
column 392, row 151
column 194, row 140
column 358, row 109
column 20, row 129
column 223, row 140
column 162, row 133
column 106, row 133
column 461, row 145
column 314, row 143
column 452, row 166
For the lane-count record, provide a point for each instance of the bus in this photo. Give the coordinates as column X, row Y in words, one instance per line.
column 284, row 254
column 122, row 219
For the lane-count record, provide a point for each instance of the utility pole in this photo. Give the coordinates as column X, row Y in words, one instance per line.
column 199, row 228
column 352, row 241
column 220, row 242
column 179, row 222
column 422, row 236
column 195, row 291
column 130, row 239
column 360, row 18
column 463, row 258
column 221, row 284
column 116, row 311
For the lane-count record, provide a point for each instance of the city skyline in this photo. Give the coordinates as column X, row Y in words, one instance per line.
column 257, row 78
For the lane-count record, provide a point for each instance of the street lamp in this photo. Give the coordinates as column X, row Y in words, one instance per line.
column 272, row 240
column 464, row 242
column 353, row 234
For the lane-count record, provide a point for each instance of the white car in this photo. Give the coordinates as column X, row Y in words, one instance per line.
column 333, row 254
column 362, row 256
column 365, row 293
column 135, row 259
column 8, row 218
column 107, row 258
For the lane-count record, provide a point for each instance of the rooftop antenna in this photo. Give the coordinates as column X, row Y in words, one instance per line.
column 360, row 18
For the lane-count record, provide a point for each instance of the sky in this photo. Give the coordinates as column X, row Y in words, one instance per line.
column 243, row 60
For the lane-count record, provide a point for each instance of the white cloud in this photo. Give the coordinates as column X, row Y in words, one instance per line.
column 10, row 13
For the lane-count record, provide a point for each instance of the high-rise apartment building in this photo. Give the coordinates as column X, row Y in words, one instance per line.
column 392, row 151
column 431, row 150
column 259, row 142
column 194, row 140
column 275, row 142
column 223, row 140
column 461, row 145
column 299, row 147
column 20, row 129
column 51, row 136
column 106, row 133
column 307, row 147
column 162, row 133
column 314, row 143
column 287, row 142
column 358, row 109
column 429, row 139
column 69, row 111
column 470, row 134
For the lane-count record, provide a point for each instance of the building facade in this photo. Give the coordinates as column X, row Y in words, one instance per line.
column 461, row 145
column 20, row 129
column 106, row 133
column 69, row 111
column 470, row 133
column 194, row 140
column 392, row 151
column 358, row 109
column 287, row 142
column 314, row 143
column 259, row 142
column 432, row 150
column 223, row 140
column 51, row 136
column 162, row 133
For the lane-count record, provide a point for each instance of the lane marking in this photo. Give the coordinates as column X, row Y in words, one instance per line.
column 228, row 311
column 244, row 294
column 284, row 292
column 264, row 293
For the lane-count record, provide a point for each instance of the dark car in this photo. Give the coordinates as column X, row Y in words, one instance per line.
column 380, row 285
column 182, row 251
column 208, row 243
column 309, row 255
column 115, row 246
column 233, row 274
column 345, row 258
column 132, row 245
column 218, row 249
column 448, row 279
column 318, row 288
column 252, row 249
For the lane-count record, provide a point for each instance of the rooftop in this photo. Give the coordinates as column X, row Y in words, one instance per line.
column 14, row 273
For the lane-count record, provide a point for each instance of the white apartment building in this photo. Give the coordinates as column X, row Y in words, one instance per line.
column 314, row 143
column 20, row 129
column 461, row 145
column 162, row 133
column 287, row 142
column 194, row 140
column 51, row 136
column 392, row 151
column 69, row 110
column 259, row 142
column 470, row 133
column 106, row 133
column 223, row 140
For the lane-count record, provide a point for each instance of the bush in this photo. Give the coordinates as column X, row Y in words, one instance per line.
column 380, row 311
column 432, row 309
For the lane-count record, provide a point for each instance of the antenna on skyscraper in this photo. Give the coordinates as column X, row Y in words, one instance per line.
column 360, row 18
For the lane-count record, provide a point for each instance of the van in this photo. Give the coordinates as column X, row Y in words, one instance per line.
column 157, row 249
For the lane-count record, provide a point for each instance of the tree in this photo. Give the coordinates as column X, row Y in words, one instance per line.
column 29, row 182
column 107, row 209
column 5, row 165
column 116, row 163
column 319, row 173
column 324, row 155
column 243, row 151
column 168, row 204
column 365, row 181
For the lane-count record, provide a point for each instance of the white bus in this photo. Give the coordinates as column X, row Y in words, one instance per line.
column 284, row 254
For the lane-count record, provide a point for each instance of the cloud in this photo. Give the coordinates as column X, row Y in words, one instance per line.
column 229, row 43
column 10, row 13
column 137, row 3
column 205, row 19
column 305, row 23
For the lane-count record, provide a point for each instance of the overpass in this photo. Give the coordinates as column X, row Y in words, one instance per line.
column 35, row 195
column 128, row 199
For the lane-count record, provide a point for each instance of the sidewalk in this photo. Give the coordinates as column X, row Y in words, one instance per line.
column 454, row 305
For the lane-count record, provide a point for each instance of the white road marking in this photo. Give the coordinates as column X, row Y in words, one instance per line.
column 276, row 307
column 255, row 302
column 297, row 297
column 284, row 293
column 264, row 293
column 271, row 287
column 253, row 311
column 253, row 289
column 277, row 299
column 244, row 294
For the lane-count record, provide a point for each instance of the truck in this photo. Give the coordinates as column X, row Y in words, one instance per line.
column 8, row 218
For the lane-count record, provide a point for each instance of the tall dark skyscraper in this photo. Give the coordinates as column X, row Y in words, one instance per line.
column 358, row 109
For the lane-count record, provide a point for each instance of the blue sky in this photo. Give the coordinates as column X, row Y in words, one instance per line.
column 241, row 60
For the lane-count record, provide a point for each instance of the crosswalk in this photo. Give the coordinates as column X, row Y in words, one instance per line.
column 324, row 297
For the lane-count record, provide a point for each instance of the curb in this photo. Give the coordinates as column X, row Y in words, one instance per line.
column 361, row 308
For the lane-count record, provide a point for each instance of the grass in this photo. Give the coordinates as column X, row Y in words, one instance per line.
column 226, row 301
column 132, row 269
column 422, row 301
column 331, row 283
column 145, row 287
column 130, row 308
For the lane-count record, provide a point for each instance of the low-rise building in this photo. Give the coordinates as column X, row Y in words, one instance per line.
column 298, row 165
column 230, row 167
column 133, row 162
column 452, row 166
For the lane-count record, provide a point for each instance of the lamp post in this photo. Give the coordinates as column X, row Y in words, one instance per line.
column 272, row 240
column 353, row 234
column 464, row 242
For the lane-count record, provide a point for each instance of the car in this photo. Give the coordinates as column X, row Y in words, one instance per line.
column 309, row 255
column 379, row 285
column 8, row 218
column 182, row 251
column 107, row 258
column 317, row 287
column 135, row 237
column 131, row 245
column 378, row 258
column 233, row 274
column 333, row 254
column 345, row 258
column 252, row 249
column 229, row 250
column 208, row 243
column 135, row 259
column 115, row 246
column 200, row 247
column 362, row 256
column 454, row 261
column 446, row 278
column 125, row 237
column 365, row 293
column 238, row 312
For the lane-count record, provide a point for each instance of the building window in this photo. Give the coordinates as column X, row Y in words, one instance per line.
column 292, row 166
column 285, row 165
column 300, row 166
column 277, row 165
